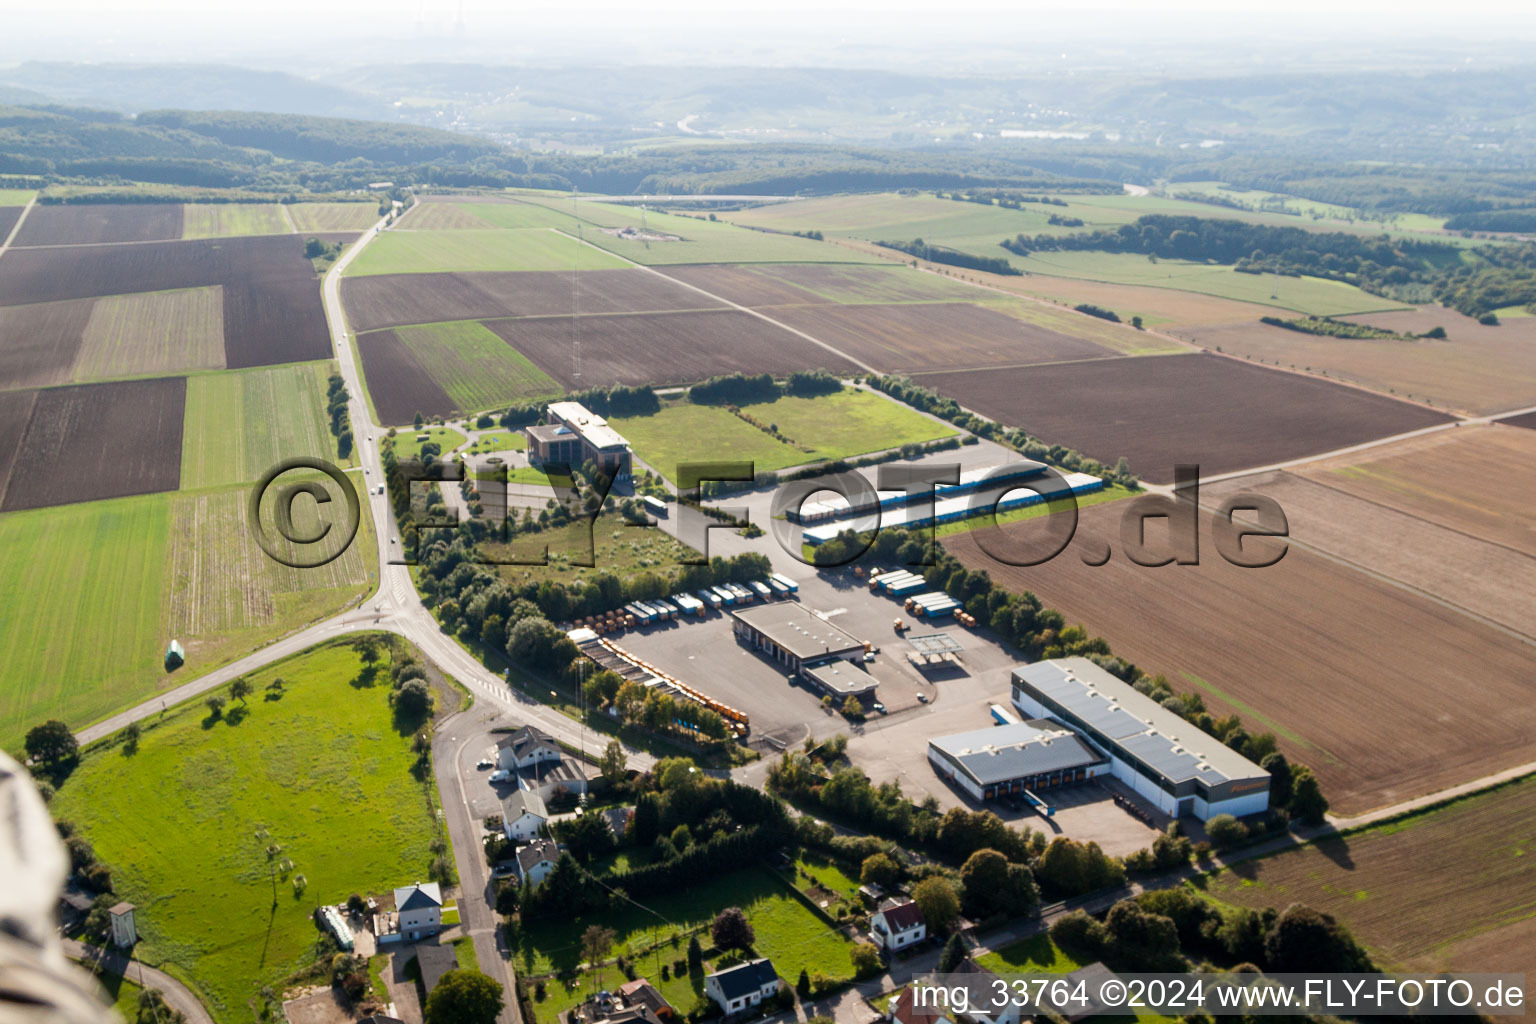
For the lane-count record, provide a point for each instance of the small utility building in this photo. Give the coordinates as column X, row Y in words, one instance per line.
column 1007, row 759
column 1175, row 765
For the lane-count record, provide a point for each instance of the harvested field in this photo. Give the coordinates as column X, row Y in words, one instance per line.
column 647, row 348
column 15, row 412
column 1478, row 369
column 1340, row 665
column 272, row 311
column 1488, row 580
column 423, row 252
column 394, row 300
column 944, row 335
column 92, row 441
column 1157, row 411
column 1475, row 481
column 778, row 284
column 1156, row 306
column 38, row 342
column 153, row 333
column 340, row 217
column 95, row 223
column 9, row 215
column 475, row 367
column 1446, row 890
column 1527, row 421
column 398, row 384
column 232, row 220
column 238, row 425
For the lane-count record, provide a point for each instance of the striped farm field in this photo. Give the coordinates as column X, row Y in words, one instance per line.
column 152, row 333
column 238, row 425
column 421, row 252
column 326, row 217
column 476, row 368
column 232, row 220
column 437, row 216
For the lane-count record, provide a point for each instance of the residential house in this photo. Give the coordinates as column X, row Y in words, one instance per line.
column 522, row 815
column 744, row 986
column 535, row 861
column 905, row 1009
column 1093, row 977
column 635, row 1002
column 897, row 925
column 525, row 748
column 419, row 910
column 981, row 987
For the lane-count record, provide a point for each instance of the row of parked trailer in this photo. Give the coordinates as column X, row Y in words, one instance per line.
column 684, row 605
column 911, row 590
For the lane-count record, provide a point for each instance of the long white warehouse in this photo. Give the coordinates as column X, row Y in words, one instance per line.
column 1175, row 765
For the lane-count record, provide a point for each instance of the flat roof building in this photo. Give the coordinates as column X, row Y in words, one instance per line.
column 790, row 634
column 1008, row 759
column 573, row 434
column 1174, row 764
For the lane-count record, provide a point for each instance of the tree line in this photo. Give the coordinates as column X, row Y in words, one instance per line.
column 953, row 257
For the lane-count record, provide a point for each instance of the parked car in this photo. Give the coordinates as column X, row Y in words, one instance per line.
column 500, row 775
column 485, row 763
column 922, row 698
column 878, row 707
column 868, row 658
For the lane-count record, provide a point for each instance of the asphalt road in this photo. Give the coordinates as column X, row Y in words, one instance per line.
column 177, row 995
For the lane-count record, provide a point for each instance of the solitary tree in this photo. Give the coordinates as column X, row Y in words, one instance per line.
column 413, row 699
column 215, row 705
column 954, row 954
column 732, row 930
column 508, row 896
column 131, row 733
column 852, row 708
column 51, row 743
column 1307, row 800
column 612, row 765
column 865, row 959
column 596, row 941
column 464, row 997
column 240, row 689
column 695, row 955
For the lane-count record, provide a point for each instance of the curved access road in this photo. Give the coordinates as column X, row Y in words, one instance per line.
column 114, row 961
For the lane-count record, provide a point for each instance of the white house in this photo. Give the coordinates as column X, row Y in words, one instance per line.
column 897, row 925
column 525, row 748
column 742, row 987
column 522, row 815
column 419, row 909
column 536, row 860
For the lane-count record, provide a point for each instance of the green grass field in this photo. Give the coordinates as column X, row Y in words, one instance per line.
column 476, row 368
column 1039, row 955
column 186, row 821
column 851, row 422
column 231, row 220
column 420, row 252
column 407, row 447
column 131, row 574
column 16, row 196
column 479, row 216
column 500, row 440
column 787, row 933
column 1311, row 295
column 240, row 424
column 87, row 640
column 333, row 216
column 618, row 549
column 121, row 994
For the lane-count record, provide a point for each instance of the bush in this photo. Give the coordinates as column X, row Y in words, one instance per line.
column 1226, row 831
column 865, row 959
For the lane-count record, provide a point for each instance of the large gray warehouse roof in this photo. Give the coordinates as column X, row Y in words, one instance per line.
column 791, row 626
column 1138, row 724
column 1007, row 752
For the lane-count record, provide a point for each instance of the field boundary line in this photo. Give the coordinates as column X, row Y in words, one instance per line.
column 734, row 305
column 1348, row 450
column 293, row 226
column 543, row 316
column 16, row 228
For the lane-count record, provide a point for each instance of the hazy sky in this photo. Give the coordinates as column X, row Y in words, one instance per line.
column 797, row 31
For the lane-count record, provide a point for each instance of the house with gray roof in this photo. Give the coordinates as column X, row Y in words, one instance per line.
column 523, row 813
column 535, row 861
column 418, row 910
column 742, row 987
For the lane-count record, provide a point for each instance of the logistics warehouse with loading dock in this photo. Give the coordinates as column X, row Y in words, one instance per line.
column 824, row 654
column 1175, row 765
column 1014, row 758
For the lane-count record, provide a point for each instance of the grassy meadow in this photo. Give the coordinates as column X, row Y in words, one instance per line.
column 474, row 366
column 239, row 424
column 231, row 220
column 187, row 820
